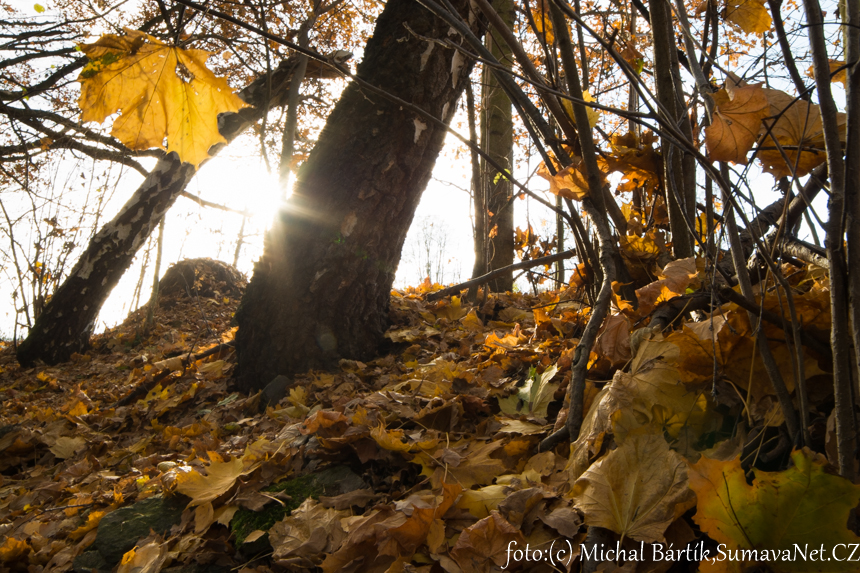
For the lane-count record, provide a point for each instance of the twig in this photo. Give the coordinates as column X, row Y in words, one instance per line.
column 549, row 259
column 166, row 367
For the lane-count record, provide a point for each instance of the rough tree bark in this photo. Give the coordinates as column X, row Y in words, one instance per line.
column 321, row 290
column 66, row 323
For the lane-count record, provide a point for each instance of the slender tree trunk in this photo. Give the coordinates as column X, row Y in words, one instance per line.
column 674, row 181
column 156, row 276
column 498, row 142
column 478, row 197
column 321, row 291
column 67, row 321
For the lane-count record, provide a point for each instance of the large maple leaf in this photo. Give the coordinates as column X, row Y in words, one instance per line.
column 751, row 16
column 797, row 126
column 637, row 490
column 736, row 124
column 164, row 93
column 802, row 506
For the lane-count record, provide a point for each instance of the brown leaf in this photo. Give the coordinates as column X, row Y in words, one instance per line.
column 565, row 520
column 310, row 531
column 613, row 340
column 357, row 498
column 794, row 125
column 485, row 543
column 636, row 490
column 736, row 123
column 404, row 539
column 674, row 280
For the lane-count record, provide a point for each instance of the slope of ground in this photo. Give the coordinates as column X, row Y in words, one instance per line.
column 140, row 456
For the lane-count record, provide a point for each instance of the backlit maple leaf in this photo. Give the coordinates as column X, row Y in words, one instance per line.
column 162, row 92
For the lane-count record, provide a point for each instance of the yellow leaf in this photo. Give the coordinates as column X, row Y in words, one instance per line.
column 146, row 559
column 219, row 478
column 389, row 439
column 93, row 520
column 79, row 409
column 639, row 247
column 840, row 76
column 480, row 502
column 802, row 506
column 751, row 16
column 543, row 21
column 636, row 490
column 569, row 182
column 736, row 123
column 13, row 550
column 593, row 114
column 162, row 92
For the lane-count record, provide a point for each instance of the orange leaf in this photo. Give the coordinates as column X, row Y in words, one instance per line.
column 736, row 123
column 751, row 16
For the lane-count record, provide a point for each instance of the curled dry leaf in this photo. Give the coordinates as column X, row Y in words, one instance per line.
column 309, row 531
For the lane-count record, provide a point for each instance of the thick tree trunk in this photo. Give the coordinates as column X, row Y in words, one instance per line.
column 497, row 140
column 66, row 323
column 321, row 290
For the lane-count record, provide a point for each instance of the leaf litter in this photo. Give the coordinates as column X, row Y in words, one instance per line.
column 433, row 443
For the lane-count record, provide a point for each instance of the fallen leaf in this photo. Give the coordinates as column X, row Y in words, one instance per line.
column 146, row 559
column 803, row 505
column 310, row 531
column 485, row 543
column 636, row 490
column 219, row 479
column 66, row 447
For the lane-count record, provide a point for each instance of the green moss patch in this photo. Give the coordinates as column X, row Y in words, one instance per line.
column 299, row 489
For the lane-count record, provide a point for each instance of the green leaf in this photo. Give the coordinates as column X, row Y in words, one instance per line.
column 38, row 8
column 499, row 175
column 801, row 506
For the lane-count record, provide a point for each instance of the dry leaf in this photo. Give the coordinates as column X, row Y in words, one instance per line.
column 636, row 490
column 736, row 123
column 219, row 479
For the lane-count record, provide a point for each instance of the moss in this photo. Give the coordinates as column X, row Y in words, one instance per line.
column 299, row 489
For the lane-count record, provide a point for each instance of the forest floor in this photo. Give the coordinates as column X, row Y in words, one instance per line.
column 423, row 459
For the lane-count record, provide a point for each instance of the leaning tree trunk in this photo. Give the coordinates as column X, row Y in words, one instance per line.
column 66, row 323
column 321, row 290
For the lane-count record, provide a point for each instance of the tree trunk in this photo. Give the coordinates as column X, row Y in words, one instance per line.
column 497, row 141
column 66, row 323
column 321, row 290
